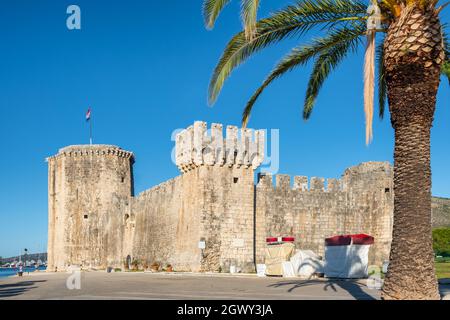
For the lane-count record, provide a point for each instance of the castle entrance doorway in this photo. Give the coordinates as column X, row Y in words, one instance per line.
column 129, row 262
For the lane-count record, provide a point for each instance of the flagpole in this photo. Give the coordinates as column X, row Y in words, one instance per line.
column 90, row 129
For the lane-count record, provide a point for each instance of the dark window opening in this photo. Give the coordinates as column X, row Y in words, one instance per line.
column 126, row 216
column 123, row 179
column 260, row 176
column 387, row 190
column 85, row 216
column 235, row 180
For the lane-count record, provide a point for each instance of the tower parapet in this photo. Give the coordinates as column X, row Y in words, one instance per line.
column 97, row 149
column 240, row 147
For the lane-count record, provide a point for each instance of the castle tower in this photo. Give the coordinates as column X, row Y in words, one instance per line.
column 221, row 170
column 89, row 191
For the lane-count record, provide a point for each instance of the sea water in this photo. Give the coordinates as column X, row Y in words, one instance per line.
column 7, row 272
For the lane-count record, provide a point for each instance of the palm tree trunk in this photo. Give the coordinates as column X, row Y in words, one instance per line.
column 411, row 272
column 412, row 77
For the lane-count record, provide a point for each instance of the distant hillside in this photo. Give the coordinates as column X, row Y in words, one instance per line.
column 441, row 212
column 30, row 256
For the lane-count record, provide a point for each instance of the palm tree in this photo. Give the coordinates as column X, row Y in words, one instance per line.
column 411, row 53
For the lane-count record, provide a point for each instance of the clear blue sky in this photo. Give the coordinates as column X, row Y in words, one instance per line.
column 144, row 67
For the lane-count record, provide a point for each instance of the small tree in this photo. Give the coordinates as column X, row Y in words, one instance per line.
column 441, row 241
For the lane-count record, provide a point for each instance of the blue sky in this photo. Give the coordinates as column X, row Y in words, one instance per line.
column 144, row 67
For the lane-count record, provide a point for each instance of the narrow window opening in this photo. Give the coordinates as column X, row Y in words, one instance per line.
column 387, row 190
column 85, row 216
column 235, row 180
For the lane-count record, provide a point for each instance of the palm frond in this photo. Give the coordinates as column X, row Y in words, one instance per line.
column 445, row 69
column 249, row 12
column 382, row 89
column 369, row 83
column 299, row 56
column 293, row 20
column 323, row 65
column 211, row 10
column 389, row 5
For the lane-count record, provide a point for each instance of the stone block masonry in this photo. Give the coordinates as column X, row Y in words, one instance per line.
column 213, row 204
column 360, row 202
column 90, row 189
column 210, row 217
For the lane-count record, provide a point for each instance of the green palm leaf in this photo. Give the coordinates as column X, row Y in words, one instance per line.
column 249, row 13
column 382, row 88
column 211, row 10
column 324, row 64
column 445, row 69
column 301, row 55
column 293, row 20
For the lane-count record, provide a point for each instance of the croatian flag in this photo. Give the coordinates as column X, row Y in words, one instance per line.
column 88, row 114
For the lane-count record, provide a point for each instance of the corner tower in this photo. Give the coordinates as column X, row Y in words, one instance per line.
column 89, row 190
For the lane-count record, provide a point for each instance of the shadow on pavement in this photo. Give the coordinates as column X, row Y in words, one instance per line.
column 352, row 287
column 15, row 289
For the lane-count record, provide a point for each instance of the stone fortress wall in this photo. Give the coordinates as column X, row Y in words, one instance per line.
column 360, row 202
column 95, row 221
column 211, row 202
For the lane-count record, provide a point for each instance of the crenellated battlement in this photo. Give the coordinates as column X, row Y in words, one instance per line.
column 89, row 150
column 363, row 177
column 240, row 147
column 300, row 183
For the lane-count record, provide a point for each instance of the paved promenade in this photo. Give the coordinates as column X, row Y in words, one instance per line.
column 129, row 285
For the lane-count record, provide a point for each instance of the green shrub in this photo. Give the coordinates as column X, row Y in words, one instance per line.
column 441, row 242
column 135, row 264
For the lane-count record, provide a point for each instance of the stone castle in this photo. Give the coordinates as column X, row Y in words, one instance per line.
column 213, row 215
